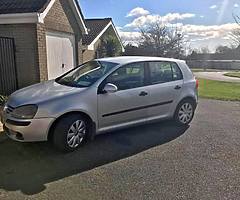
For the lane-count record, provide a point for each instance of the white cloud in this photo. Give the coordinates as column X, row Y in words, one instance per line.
column 213, row 7
column 236, row 5
column 209, row 32
column 201, row 16
column 148, row 19
column 195, row 34
column 136, row 12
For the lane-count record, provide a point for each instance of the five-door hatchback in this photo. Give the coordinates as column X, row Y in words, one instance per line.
column 101, row 95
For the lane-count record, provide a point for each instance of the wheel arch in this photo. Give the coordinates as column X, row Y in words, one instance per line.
column 191, row 98
column 83, row 114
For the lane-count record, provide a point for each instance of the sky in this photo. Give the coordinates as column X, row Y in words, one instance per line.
column 204, row 23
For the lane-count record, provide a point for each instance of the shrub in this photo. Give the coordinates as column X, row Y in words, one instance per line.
column 3, row 100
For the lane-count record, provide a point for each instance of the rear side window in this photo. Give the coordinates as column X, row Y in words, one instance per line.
column 162, row 72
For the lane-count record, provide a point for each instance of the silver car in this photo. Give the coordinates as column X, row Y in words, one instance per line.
column 99, row 96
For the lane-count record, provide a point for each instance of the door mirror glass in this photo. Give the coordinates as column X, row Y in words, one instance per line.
column 110, row 88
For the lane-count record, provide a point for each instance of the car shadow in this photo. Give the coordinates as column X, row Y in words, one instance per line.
column 28, row 167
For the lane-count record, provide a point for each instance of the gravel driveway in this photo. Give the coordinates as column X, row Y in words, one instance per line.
column 218, row 76
column 158, row 161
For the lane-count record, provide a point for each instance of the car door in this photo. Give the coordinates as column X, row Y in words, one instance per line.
column 128, row 103
column 166, row 82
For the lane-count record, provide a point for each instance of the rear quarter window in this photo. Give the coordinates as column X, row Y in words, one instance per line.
column 177, row 73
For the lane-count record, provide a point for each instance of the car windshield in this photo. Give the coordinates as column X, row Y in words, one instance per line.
column 86, row 74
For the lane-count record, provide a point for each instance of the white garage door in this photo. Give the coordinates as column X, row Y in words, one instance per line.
column 60, row 53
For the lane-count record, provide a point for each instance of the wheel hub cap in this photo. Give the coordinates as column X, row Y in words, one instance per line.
column 185, row 113
column 76, row 133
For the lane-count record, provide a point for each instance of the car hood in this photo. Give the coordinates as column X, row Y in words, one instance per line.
column 42, row 92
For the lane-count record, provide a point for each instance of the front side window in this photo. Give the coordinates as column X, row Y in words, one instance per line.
column 162, row 72
column 87, row 74
column 128, row 77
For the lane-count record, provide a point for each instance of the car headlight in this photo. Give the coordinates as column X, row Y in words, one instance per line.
column 25, row 112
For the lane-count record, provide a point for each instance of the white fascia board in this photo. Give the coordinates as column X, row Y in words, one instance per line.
column 91, row 46
column 19, row 18
column 45, row 12
column 118, row 36
column 82, row 24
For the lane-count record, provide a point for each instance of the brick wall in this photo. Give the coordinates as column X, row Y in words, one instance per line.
column 26, row 51
column 88, row 55
column 61, row 18
column 42, row 52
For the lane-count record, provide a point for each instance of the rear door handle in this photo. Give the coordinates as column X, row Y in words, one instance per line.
column 143, row 93
column 177, row 87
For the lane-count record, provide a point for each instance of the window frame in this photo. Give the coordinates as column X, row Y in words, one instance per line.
column 146, row 77
column 171, row 63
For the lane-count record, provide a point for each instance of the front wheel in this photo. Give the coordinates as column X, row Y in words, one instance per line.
column 70, row 133
column 185, row 112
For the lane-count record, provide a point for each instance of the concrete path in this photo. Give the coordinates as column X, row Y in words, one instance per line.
column 218, row 76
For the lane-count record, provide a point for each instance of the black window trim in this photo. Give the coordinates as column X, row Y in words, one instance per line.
column 171, row 62
column 146, row 77
column 79, row 66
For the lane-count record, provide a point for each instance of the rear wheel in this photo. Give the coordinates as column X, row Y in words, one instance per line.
column 70, row 133
column 185, row 112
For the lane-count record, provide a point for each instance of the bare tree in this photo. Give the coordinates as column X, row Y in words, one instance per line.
column 160, row 39
column 235, row 34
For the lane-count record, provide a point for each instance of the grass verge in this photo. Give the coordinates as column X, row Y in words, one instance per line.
column 219, row 90
column 233, row 74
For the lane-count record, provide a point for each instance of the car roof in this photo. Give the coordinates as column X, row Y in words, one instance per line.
column 122, row 60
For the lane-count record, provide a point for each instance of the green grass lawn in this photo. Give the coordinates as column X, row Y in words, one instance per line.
column 219, row 90
column 233, row 74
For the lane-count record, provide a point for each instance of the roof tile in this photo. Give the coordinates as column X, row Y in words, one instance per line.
column 95, row 27
column 22, row 6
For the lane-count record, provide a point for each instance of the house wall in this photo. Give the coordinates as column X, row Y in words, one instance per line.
column 26, row 51
column 30, row 42
column 60, row 19
column 90, row 54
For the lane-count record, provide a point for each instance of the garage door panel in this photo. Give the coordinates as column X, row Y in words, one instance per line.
column 60, row 54
column 68, row 54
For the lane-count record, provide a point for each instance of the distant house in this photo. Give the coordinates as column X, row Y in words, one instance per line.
column 98, row 29
column 42, row 39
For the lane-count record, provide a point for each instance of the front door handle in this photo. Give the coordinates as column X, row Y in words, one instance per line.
column 143, row 93
column 178, row 87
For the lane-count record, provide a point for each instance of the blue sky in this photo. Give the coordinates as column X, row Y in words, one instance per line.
column 211, row 18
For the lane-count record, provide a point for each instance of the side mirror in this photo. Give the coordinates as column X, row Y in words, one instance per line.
column 110, row 88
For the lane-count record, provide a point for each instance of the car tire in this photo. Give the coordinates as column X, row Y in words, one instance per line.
column 185, row 112
column 70, row 133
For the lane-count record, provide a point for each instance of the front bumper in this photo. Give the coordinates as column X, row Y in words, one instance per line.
column 34, row 130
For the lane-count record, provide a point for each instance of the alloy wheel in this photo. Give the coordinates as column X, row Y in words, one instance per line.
column 76, row 134
column 185, row 113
